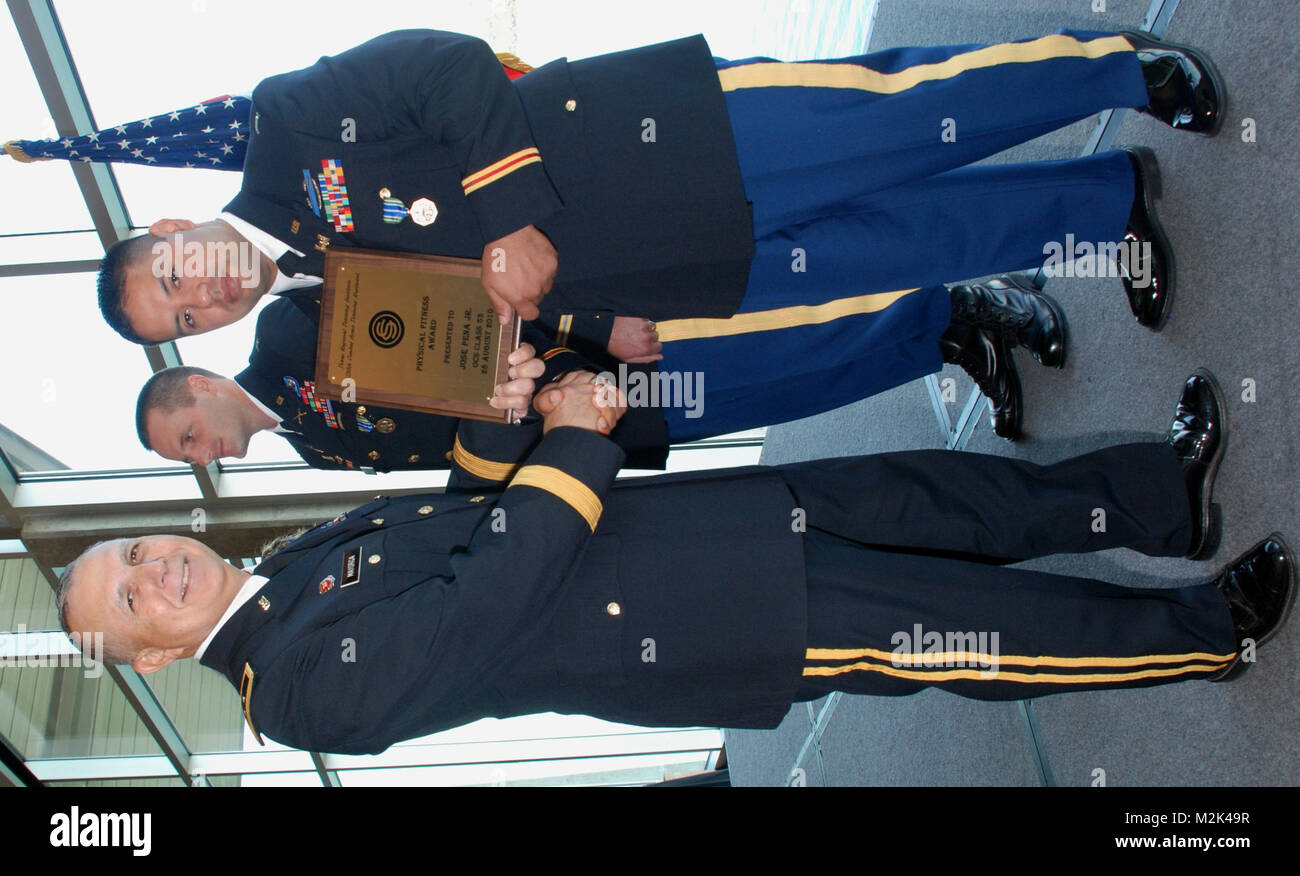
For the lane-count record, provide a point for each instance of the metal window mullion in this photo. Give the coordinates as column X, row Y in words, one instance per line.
column 13, row 768
column 328, row 777
column 36, row 269
column 154, row 717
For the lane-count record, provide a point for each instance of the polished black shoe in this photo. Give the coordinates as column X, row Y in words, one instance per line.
column 1146, row 261
column 1014, row 306
column 1198, row 435
column 1184, row 89
column 986, row 357
column 1260, row 589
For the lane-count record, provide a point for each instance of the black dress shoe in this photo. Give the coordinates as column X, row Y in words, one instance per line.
column 1184, row 89
column 1260, row 589
column 1146, row 261
column 1014, row 306
column 986, row 357
column 1198, row 435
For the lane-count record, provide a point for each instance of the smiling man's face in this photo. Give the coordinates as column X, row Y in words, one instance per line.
column 191, row 279
column 159, row 596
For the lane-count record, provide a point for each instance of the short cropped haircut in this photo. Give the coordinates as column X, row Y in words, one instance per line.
column 166, row 391
column 112, row 278
column 115, row 652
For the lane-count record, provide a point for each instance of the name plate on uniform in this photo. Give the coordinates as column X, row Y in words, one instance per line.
column 411, row 331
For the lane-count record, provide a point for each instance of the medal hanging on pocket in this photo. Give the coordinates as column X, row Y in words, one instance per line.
column 422, row 211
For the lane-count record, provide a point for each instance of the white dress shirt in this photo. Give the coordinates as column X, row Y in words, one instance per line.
column 274, row 249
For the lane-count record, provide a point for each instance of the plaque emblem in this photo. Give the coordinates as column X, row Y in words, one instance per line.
column 386, row 329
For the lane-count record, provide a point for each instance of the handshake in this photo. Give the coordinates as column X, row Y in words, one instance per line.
column 577, row 398
column 581, row 399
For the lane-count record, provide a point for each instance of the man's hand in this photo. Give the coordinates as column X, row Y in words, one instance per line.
column 519, row 275
column 634, row 340
column 517, row 393
column 577, row 400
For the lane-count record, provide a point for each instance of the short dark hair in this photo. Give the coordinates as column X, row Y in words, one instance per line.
column 115, row 652
column 112, row 278
column 166, row 391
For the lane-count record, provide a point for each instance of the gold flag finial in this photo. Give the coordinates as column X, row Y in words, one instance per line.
column 512, row 61
column 16, row 152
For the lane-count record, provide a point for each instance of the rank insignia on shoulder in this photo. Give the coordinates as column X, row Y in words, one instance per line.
column 327, row 584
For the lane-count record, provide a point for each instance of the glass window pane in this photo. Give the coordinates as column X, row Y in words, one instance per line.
column 26, row 598
column 42, row 196
column 68, row 711
column 202, row 704
column 61, row 247
column 79, row 380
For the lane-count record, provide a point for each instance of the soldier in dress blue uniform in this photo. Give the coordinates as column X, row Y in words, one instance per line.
column 706, row 598
column 662, row 183
column 193, row 415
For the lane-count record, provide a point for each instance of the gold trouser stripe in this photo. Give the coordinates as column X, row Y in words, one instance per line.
column 480, row 467
column 497, row 170
column 563, row 486
column 781, row 318
column 1020, row 677
column 566, row 323
column 1009, row 659
column 854, row 76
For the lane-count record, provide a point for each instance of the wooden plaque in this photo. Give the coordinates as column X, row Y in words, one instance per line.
column 411, row 331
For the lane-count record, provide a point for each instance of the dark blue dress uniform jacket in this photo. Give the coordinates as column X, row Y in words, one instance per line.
column 673, row 602
column 626, row 161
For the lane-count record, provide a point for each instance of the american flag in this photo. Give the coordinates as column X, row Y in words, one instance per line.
column 212, row 134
